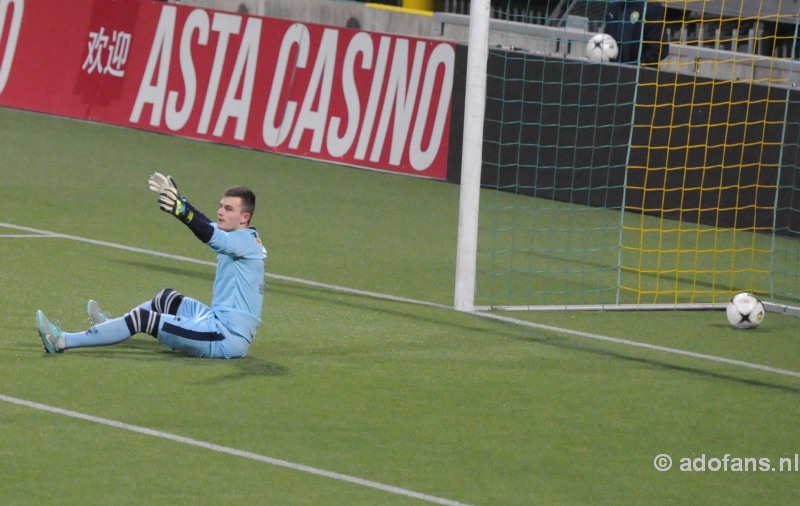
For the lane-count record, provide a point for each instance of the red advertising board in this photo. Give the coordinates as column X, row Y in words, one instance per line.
column 358, row 98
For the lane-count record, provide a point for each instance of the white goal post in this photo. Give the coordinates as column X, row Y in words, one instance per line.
column 472, row 155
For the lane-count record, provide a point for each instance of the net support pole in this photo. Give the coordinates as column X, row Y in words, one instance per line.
column 472, row 155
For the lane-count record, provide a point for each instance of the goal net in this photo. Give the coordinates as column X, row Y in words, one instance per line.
column 668, row 179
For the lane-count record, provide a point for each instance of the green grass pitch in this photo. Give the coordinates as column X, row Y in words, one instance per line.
column 345, row 398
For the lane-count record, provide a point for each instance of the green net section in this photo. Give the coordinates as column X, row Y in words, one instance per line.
column 668, row 182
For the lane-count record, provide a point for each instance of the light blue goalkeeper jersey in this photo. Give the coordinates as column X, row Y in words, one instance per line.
column 239, row 283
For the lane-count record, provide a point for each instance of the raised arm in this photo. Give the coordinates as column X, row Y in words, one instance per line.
column 172, row 202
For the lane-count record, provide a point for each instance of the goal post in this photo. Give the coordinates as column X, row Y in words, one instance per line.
column 472, row 156
column 590, row 184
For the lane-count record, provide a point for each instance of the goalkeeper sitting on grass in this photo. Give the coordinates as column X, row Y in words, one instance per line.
column 223, row 330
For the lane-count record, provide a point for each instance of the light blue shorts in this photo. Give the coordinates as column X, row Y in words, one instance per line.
column 195, row 330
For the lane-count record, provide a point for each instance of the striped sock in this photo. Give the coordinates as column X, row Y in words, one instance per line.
column 167, row 301
column 143, row 320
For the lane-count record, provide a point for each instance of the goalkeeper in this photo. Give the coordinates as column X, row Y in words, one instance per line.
column 224, row 330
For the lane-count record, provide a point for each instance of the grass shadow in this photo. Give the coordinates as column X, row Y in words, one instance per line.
column 150, row 350
column 566, row 342
column 563, row 343
column 206, row 275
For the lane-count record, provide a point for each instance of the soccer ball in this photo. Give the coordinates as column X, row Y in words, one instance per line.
column 601, row 48
column 745, row 311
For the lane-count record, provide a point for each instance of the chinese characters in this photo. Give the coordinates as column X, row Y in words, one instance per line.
column 107, row 54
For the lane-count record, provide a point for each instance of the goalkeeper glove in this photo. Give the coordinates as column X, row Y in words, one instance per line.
column 157, row 182
column 172, row 202
column 169, row 200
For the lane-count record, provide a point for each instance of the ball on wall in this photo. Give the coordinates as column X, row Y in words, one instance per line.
column 601, row 48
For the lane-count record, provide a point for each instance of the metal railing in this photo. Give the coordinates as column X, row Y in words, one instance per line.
column 569, row 42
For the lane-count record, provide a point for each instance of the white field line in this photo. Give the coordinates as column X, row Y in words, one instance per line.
column 540, row 326
column 652, row 347
column 47, row 233
column 230, row 451
column 320, row 472
column 26, row 236
column 202, row 444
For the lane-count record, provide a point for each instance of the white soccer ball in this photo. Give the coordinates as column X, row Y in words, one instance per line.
column 745, row 311
column 601, row 48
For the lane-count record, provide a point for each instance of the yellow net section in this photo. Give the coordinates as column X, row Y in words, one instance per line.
column 704, row 164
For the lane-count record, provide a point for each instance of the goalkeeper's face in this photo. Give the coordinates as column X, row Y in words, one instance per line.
column 230, row 216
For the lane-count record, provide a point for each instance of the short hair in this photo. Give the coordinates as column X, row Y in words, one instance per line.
column 247, row 196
